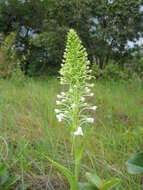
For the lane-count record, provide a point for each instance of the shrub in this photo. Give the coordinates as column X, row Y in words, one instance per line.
column 8, row 58
column 134, row 68
column 112, row 71
column 96, row 71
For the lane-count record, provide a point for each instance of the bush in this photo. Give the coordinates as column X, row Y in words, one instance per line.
column 134, row 68
column 17, row 75
column 8, row 56
column 96, row 71
column 112, row 71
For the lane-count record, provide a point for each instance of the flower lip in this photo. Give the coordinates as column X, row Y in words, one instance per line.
column 82, row 99
column 94, row 108
column 57, row 111
column 58, row 102
column 90, row 120
column 87, row 89
column 78, row 132
column 60, row 117
column 59, row 96
column 91, row 94
column 73, row 106
column 63, row 94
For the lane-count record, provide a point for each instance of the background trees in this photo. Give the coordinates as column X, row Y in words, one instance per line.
column 105, row 27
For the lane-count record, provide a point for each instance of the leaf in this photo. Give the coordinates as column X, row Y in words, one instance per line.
column 87, row 186
column 10, row 182
column 66, row 172
column 4, row 177
column 135, row 164
column 3, row 168
column 110, row 184
column 94, row 179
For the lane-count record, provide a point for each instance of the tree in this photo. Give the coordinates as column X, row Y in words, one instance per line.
column 105, row 27
column 113, row 24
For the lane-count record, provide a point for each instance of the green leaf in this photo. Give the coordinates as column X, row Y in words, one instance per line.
column 110, row 184
column 3, row 168
column 94, row 179
column 66, row 172
column 4, row 177
column 135, row 164
column 87, row 186
column 10, row 182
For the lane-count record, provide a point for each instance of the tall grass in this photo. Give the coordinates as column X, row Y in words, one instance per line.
column 28, row 123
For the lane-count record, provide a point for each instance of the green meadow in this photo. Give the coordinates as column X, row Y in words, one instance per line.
column 29, row 125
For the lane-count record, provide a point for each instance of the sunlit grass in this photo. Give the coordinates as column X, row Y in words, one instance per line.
column 28, row 123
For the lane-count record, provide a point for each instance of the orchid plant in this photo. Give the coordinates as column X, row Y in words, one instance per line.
column 72, row 107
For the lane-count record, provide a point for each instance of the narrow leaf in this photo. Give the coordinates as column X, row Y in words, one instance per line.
column 110, row 184
column 3, row 168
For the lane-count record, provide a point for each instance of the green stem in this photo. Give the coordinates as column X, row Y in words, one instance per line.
column 75, row 140
column 76, row 169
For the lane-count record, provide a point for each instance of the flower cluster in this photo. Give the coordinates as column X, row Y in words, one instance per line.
column 75, row 74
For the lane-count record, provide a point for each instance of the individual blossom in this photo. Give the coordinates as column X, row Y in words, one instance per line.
column 78, row 132
column 60, row 117
column 90, row 120
column 57, row 111
column 94, row 108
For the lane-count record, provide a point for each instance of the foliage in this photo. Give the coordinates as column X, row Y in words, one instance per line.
column 6, row 180
column 27, row 114
column 96, row 71
column 113, row 71
column 96, row 183
column 134, row 68
column 17, row 75
column 135, row 164
column 105, row 28
column 8, row 55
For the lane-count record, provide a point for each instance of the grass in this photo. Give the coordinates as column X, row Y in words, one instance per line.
column 29, row 125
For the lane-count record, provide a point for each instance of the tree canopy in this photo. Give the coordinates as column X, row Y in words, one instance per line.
column 105, row 27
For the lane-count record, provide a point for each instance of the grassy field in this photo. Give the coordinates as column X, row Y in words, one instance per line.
column 29, row 125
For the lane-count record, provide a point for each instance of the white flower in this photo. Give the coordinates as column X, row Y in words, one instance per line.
column 92, row 85
column 91, row 94
column 63, row 94
column 78, row 132
column 59, row 96
column 57, row 111
column 70, row 90
column 90, row 120
column 62, row 81
column 60, row 117
column 94, row 108
column 87, row 89
column 58, row 102
column 63, row 100
column 82, row 99
column 72, row 106
column 85, row 104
